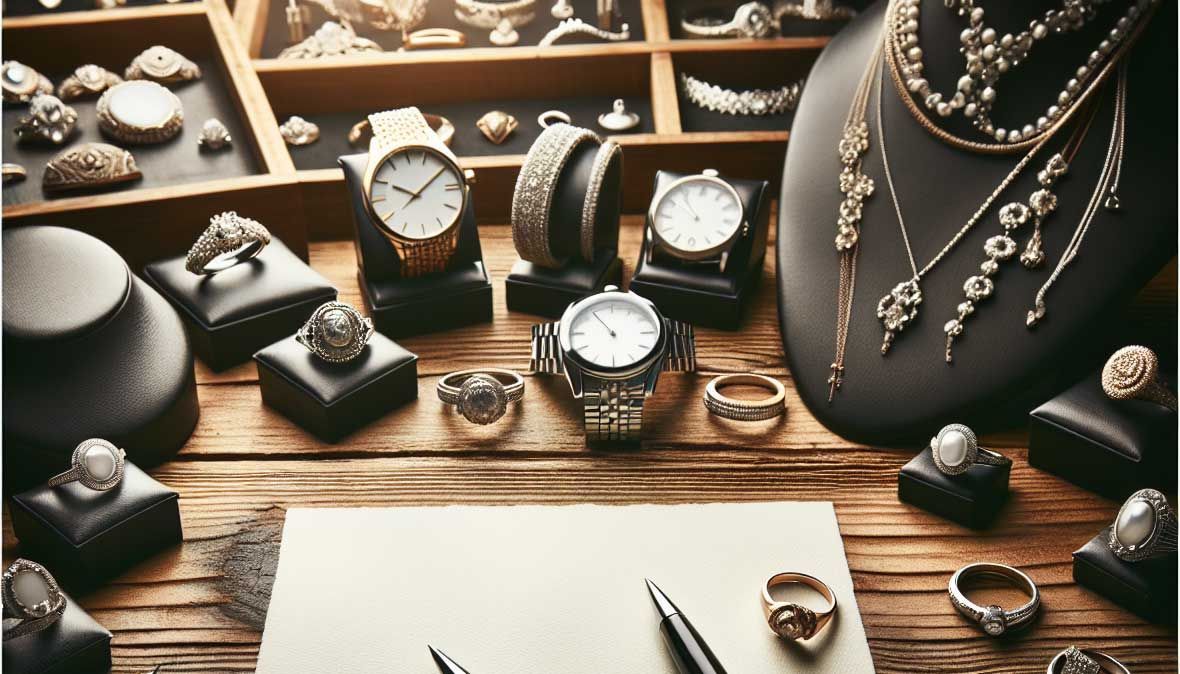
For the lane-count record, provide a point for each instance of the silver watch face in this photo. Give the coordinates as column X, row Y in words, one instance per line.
column 417, row 193
column 613, row 331
column 697, row 215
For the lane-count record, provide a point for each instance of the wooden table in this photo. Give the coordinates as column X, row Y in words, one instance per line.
column 201, row 606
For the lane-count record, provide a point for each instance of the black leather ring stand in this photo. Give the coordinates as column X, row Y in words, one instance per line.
column 699, row 292
column 972, row 499
column 1147, row 588
column 534, row 289
column 400, row 307
column 90, row 351
column 75, row 644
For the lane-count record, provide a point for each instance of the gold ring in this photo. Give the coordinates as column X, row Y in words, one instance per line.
column 361, row 132
column 745, row 410
column 792, row 621
column 496, row 125
column 163, row 65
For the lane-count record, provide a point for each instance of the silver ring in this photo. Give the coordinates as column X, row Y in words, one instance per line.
column 481, row 395
column 140, row 111
column 20, row 83
column 956, row 448
column 1075, row 660
column 336, row 332
column 229, row 239
column 163, row 65
column 994, row 620
column 480, row 14
column 31, row 595
column 87, row 80
column 602, row 160
column 825, row 10
column 96, row 463
column 745, row 410
column 48, row 120
column 214, row 136
column 551, row 117
column 752, row 19
column 1145, row 528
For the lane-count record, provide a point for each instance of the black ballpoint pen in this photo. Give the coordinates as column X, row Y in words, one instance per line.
column 445, row 664
column 688, row 649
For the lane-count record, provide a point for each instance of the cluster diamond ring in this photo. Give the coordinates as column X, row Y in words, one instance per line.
column 32, row 596
column 793, row 621
column 1145, row 527
column 96, row 463
column 1074, row 660
column 481, row 395
column 994, row 620
column 955, row 449
column 745, row 410
column 336, row 332
column 229, row 239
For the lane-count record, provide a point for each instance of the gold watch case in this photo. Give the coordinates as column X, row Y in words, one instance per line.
column 383, row 153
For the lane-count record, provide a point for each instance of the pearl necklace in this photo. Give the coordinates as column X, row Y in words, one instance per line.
column 988, row 56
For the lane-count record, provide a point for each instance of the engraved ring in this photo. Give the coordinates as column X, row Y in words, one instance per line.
column 1133, row 373
column 336, row 332
column 994, row 620
column 87, row 80
column 228, row 240
column 48, row 120
column 1075, row 660
column 32, row 596
column 792, row 621
column 96, row 463
column 1144, row 528
column 163, row 65
column 955, row 449
column 745, row 410
column 20, row 83
column 481, row 395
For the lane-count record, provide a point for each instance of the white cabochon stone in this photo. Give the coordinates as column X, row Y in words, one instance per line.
column 99, row 462
column 141, row 103
column 30, row 588
column 952, row 449
column 1135, row 523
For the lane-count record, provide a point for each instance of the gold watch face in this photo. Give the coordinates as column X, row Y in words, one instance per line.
column 416, row 193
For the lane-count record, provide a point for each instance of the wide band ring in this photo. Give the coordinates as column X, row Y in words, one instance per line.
column 96, row 463
column 230, row 239
column 751, row 19
column 1132, row 373
column 602, row 161
column 88, row 166
column 336, row 332
column 481, row 395
column 113, row 116
column 20, row 83
column 87, row 80
column 163, row 65
column 32, row 596
column 994, row 620
column 361, row 132
column 745, row 410
column 955, row 449
column 1145, row 528
column 48, row 121
column 792, row 621
column 533, row 197
column 487, row 14
column 1075, row 660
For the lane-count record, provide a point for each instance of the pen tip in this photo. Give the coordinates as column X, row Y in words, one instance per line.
column 445, row 664
column 664, row 606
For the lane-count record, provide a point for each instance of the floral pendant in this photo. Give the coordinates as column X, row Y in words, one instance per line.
column 854, row 184
column 898, row 309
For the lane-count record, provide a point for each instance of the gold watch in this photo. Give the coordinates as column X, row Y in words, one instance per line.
column 414, row 190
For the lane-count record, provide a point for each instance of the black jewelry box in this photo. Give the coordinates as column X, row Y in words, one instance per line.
column 1147, row 588
column 333, row 399
column 1112, row 447
column 233, row 313
column 972, row 499
column 86, row 536
column 75, row 644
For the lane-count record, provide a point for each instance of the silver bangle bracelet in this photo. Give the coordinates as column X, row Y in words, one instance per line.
column 1075, row 660
column 479, row 14
column 602, row 161
column 755, row 102
column 994, row 620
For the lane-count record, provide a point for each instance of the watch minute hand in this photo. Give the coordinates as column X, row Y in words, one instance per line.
column 612, row 332
column 430, row 180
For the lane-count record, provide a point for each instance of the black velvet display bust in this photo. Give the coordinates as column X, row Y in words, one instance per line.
column 1001, row 368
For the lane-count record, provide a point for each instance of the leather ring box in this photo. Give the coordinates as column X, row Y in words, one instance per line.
column 235, row 312
column 333, row 399
column 86, row 536
column 75, row 644
column 972, row 499
column 1147, row 588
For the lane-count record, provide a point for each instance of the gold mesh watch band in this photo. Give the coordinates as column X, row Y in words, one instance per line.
column 404, row 126
column 427, row 257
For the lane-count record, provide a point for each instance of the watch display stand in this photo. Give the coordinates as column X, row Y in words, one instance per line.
column 235, row 312
column 1112, row 447
column 1147, row 588
column 333, row 399
column 75, row 644
column 1001, row 369
column 87, row 536
column 534, row 289
column 699, row 292
column 972, row 499
column 401, row 307
column 90, row 351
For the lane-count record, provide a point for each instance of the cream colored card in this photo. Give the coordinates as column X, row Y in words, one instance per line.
column 549, row 590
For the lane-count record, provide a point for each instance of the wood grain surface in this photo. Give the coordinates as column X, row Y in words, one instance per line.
column 201, row 606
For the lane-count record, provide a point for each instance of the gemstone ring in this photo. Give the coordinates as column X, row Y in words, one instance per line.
column 32, row 596
column 994, row 620
column 793, row 621
column 336, row 332
column 1085, row 661
column 96, row 463
column 956, row 448
column 1144, row 528
column 481, row 395
column 228, row 240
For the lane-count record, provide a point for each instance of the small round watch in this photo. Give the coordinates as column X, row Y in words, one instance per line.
column 696, row 218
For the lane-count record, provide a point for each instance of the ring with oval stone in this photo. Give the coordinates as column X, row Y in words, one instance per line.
column 956, row 448
column 1145, row 528
column 793, row 621
column 95, row 463
column 994, row 620
column 32, row 596
column 481, row 395
column 1075, row 660
column 336, row 332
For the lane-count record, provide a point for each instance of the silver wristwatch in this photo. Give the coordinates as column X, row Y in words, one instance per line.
column 612, row 347
column 698, row 218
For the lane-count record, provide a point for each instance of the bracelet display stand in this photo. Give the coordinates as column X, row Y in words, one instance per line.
column 90, row 351
column 1147, row 588
column 400, row 307
column 699, row 292
column 87, row 536
column 534, row 289
column 75, row 644
column 972, row 499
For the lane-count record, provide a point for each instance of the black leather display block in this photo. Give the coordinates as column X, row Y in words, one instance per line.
column 972, row 499
column 233, row 313
column 1112, row 447
column 89, row 351
column 87, row 536
column 400, row 307
column 1146, row 588
column 699, row 292
column 75, row 644
column 333, row 399
column 533, row 289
